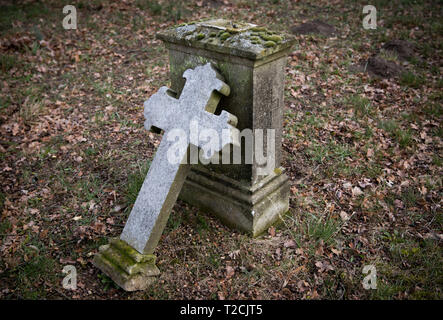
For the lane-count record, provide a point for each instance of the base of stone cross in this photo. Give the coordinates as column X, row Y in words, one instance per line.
column 252, row 209
column 125, row 266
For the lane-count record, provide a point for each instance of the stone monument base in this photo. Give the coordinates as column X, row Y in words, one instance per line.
column 125, row 266
column 251, row 209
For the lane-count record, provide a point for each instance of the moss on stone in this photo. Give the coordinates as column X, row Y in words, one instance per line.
column 232, row 30
column 234, row 39
column 128, row 274
column 225, row 35
column 258, row 28
column 111, row 268
column 119, row 259
column 274, row 38
column 256, row 40
column 130, row 252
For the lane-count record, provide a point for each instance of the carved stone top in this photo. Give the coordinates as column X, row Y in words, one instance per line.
column 232, row 38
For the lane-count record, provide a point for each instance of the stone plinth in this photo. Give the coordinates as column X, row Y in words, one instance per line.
column 252, row 61
column 128, row 268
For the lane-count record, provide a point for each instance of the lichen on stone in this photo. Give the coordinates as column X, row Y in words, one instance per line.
column 228, row 37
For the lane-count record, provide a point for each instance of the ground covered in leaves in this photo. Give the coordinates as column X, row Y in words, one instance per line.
column 362, row 146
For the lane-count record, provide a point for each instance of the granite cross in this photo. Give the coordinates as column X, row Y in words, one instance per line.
column 164, row 180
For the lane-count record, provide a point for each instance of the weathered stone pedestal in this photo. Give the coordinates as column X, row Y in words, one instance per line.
column 128, row 268
column 252, row 60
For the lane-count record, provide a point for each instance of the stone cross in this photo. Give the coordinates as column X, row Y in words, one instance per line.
column 162, row 185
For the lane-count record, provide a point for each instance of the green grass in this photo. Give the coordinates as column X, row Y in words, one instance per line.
column 332, row 151
column 4, row 104
column 167, row 10
column 410, row 197
column 35, row 271
column 361, row 105
column 154, row 6
column 402, row 137
column 88, row 188
column 174, row 222
column 107, row 282
column 26, row 12
column 415, row 270
column 202, row 224
column 32, row 105
column 214, row 260
column 7, row 62
column 433, row 109
column 373, row 170
column 437, row 160
column 91, row 152
column 318, row 153
column 4, row 225
column 388, row 125
column 411, row 80
column 312, row 229
column 408, row 21
column 321, row 229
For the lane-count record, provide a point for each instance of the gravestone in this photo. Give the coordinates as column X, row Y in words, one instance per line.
column 252, row 60
column 129, row 260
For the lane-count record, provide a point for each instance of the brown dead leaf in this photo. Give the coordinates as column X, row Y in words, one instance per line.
column 290, row 244
column 230, row 271
column 356, row 191
column 271, row 231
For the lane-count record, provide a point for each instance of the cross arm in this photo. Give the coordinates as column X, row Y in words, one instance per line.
column 159, row 107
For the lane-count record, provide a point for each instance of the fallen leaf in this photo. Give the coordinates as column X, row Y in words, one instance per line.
column 356, row 191
column 290, row 244
column 271, row 231
column 344, row 216
column 229, row 271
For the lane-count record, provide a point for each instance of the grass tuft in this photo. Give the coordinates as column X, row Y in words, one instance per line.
column 411, row 80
